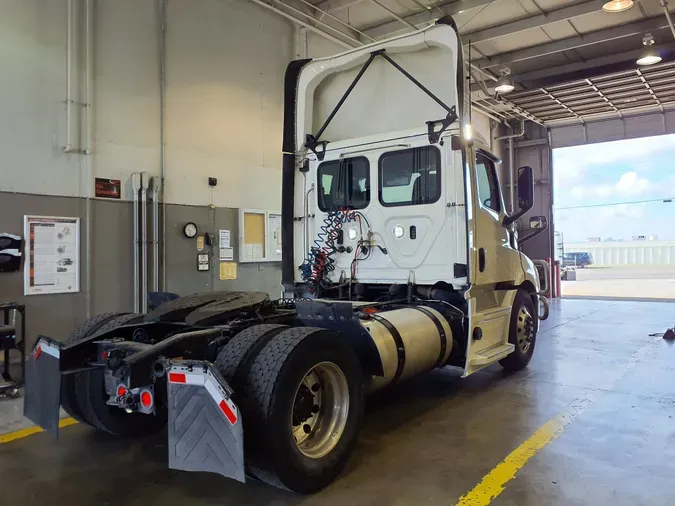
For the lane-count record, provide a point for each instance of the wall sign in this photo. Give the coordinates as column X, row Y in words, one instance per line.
column 52, row 254
column 108, row 188
column 203, row 262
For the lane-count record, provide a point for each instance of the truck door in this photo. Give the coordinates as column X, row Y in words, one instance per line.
column 492, row 261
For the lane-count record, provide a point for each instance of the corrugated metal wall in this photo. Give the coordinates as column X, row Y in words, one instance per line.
column 628, row 252
column 630, row 127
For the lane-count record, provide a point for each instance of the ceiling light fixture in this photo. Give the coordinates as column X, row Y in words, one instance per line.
column 650, row 55
column 618, row 5
column 505, row 82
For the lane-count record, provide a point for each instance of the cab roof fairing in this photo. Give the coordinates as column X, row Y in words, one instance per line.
column 441, row 36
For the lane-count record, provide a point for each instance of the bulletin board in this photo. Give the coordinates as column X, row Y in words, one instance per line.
column 259, row 236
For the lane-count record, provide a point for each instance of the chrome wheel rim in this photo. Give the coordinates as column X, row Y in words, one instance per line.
column 320, row 410
column 525, row 329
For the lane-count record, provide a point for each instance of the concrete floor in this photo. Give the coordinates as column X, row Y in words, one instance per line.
column 623, row 281
column 433, row 439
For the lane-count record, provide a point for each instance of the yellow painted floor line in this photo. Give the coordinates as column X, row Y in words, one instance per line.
column 20, row 434
column 496, row 480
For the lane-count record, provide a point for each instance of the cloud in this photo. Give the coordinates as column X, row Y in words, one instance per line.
column 632, row 184
column 629, row 184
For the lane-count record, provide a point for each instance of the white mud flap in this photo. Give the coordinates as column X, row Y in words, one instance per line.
column 205, row 426
column 42, row 397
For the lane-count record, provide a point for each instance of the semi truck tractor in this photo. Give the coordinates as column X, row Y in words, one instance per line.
column 398, row 258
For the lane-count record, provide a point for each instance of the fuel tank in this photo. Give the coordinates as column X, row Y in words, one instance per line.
column 410, row 341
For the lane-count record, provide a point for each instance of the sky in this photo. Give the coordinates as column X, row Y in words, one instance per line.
column 615, row 172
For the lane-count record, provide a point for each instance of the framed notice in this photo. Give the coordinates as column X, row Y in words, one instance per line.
column 259, row 236
column 52, row 255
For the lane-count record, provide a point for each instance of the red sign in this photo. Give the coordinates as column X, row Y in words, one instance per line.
column 108, row 188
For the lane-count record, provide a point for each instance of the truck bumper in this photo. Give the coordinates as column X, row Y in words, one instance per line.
column 205, row 430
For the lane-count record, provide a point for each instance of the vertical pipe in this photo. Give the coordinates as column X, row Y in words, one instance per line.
column 144, row 244
column 162, row 107
column 135, row 184
column 664, row 4
column 155, row 234
column 89, row 15
column 69, row 82
column 512, row 177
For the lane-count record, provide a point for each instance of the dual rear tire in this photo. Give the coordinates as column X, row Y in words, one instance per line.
column 300, row 391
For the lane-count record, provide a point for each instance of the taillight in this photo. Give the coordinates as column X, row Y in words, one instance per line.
column 122, row 391
column 146, row 399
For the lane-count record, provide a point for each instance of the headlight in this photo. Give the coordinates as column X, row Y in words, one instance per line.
column 399, row 231
column 351, row 233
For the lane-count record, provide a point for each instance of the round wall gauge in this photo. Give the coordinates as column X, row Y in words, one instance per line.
column 190, row 230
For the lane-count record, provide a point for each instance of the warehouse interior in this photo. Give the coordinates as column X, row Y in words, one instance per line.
column 175, row 110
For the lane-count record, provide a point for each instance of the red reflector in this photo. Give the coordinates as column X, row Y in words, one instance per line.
column 37, row 353
column 229, row 414
column 146, row 399
column 177, row 377
column 104, row 355
column 370, row 310
column 121, row 390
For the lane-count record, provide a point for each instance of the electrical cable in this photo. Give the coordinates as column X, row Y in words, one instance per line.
column 666, row 200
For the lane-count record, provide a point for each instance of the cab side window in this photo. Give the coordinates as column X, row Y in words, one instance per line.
column 488, row 185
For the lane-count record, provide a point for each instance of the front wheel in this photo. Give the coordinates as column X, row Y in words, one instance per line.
column 304, row 405
column 522, row 332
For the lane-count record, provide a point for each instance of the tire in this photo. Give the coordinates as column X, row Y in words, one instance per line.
column 276, row 375
column 69, row 400
column 234, row 360
column 519, row 327
column 92, row 398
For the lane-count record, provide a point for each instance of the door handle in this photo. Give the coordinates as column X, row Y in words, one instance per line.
column 481, row 259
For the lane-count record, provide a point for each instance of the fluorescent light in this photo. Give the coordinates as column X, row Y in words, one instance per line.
column 618, row 5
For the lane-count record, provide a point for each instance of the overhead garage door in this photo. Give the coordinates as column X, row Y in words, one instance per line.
column 630, row 127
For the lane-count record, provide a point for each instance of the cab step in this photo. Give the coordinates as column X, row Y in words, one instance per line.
column 492, row 354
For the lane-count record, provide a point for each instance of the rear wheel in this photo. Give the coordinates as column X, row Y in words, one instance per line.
column 522, row 332
column 302, row 408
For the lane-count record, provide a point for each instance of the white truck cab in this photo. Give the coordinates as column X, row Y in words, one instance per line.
column 390, row 188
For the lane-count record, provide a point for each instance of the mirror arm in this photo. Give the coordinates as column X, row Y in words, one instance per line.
column 534, row 234
column 510, row 219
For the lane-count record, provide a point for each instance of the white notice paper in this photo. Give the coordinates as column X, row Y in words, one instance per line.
column 274, row 228
column 52, row 254
column 224, row 238
column 226, row 254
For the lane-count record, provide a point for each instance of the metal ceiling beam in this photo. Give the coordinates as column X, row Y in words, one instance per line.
column 569, row 68
column 618, row 32
column 335, row 5
column 537, row 21
column 424, row 17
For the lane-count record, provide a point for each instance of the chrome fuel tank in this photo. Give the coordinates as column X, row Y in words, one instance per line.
column 410, row 341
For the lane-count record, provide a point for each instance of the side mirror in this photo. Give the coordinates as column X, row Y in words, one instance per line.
column 525, row 194
column 538, row 222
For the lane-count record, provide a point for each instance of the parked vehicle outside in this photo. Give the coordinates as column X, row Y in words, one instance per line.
column 577, row 259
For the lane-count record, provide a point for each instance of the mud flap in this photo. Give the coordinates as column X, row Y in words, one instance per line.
column 42, row 397
column 205, row 426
